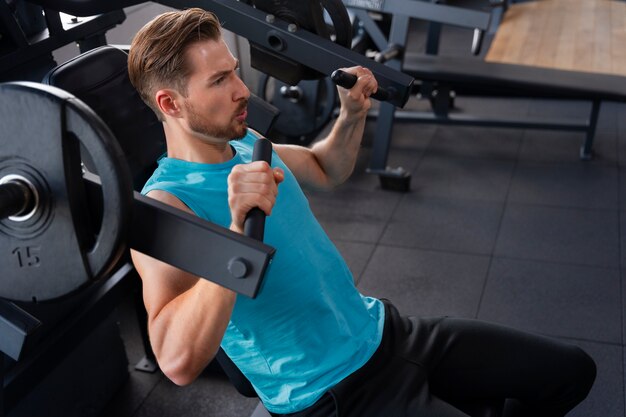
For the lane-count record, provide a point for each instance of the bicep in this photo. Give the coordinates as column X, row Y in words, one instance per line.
column 304, row 165
column 161, row 282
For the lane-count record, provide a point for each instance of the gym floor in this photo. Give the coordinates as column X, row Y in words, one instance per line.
column 505, row 225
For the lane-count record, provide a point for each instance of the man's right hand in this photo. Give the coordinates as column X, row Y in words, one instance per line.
column 252, row 185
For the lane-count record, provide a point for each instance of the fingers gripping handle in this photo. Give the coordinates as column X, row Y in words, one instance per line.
column 347, row 80
column 254, row 224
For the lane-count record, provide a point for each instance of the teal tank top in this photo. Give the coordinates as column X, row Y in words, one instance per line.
column 309, row 327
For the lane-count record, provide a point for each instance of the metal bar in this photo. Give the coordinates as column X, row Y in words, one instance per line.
column 53, row 21
column 191, row 243
column 384, row 127
column 586, row 149
column 372, row 29
column 300, row 45
column 197, row 246
column 469, row 120
column 15, row 327
column 450, row 15
column 382, row 138
column 148, row 363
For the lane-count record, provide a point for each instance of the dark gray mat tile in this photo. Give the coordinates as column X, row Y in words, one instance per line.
column 577, row 236
column 361, row 179
column 426, row 283
column 573, row 185
column 623, row 276
column 564, row 147
column 129, row 399
column 463, row 178
column 606, row 397
column 353, row 215
column 556, row 299
column 357, row 255
column 411, row 137
column 206, row 397
column 406, row 136
column 605, row 144
column 622, row 188
column 623, row 237
column 476, row 142
column 456, row 225
column 621, row 119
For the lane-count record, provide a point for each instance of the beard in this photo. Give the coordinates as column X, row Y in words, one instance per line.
column 234, row 130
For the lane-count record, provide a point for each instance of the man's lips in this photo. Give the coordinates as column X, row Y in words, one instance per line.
column 242, row 116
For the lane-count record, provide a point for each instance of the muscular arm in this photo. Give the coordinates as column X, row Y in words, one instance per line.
column 187, row 315
column 330, row 161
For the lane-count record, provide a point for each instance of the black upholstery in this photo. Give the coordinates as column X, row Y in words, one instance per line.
column 475, row 77
column 100, row 78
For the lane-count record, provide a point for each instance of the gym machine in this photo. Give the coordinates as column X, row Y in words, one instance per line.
column 280, row 39
column 51, row 208
column 29, row 33
column 441, row 78
column 60, row 237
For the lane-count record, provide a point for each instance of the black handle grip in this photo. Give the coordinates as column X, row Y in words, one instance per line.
column 347, row 80
column 254, row 224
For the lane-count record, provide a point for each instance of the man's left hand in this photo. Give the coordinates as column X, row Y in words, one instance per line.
column 357, row 99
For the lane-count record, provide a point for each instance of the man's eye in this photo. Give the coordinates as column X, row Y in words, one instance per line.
column 218, row 81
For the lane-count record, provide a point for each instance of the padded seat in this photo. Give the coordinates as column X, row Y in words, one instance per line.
column 99, row 77
column 473, row 76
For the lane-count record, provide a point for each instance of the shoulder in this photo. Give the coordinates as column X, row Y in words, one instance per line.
column 169, row 199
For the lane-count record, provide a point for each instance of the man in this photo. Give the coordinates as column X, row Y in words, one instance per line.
column 310, row 343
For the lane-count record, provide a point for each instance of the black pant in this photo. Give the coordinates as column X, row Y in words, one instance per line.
column 437, row 367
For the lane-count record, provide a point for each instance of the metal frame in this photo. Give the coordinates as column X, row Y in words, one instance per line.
column 419, row 9
column 300, row 45
column 90, row 30
column 21, row 378
column 270, row 32
column 191, row 243
column 441, row 101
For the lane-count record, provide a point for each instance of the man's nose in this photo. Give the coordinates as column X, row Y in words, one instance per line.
column 242, row 92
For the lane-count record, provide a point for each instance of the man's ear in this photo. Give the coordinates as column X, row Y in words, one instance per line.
column 169, row 102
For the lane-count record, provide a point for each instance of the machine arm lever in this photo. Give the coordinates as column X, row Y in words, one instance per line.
column 347, row 80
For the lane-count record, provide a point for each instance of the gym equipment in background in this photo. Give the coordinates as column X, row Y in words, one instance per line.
column 269, row 32
column 29, row 33
column 441, row 77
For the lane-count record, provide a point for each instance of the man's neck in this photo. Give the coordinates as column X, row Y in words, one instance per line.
column 193, row 149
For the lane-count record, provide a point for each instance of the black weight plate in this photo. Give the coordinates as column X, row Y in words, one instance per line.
column 53, row 253
column 303, row 117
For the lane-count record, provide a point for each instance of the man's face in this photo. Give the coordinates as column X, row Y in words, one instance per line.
column 217, row 99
